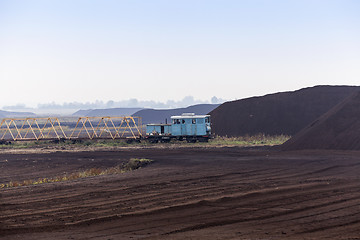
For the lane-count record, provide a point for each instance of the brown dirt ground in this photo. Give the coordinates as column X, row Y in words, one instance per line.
column 187, row 193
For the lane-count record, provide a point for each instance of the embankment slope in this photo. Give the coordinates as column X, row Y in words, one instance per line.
column 279, row 113
column 338, row 129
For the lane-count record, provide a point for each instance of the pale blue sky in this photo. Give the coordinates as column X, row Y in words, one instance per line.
column 68, row 50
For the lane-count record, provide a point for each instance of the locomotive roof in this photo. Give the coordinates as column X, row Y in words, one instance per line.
column 189, row 116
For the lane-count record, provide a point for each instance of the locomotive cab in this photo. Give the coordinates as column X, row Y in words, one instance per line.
column 191, row 127
column 187, row 126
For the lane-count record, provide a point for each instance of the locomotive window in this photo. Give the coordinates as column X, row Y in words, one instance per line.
column 174, row 121
column 183, row 121
column 207, row 120
column 177, row 121
column 193, row 121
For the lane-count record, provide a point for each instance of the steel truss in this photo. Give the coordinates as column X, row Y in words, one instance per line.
column 17, row 129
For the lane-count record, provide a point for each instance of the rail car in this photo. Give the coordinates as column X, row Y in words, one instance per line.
column 188, row 126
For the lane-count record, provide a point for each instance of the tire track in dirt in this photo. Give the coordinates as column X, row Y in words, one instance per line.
column 286, row 195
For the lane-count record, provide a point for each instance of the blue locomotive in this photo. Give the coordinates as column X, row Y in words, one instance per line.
column 188, row 126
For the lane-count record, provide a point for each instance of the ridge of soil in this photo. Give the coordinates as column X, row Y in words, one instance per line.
column 339, row 128
column 275, row 114
column 193, row 193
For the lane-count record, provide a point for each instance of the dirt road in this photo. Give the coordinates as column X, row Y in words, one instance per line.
column 187, row 193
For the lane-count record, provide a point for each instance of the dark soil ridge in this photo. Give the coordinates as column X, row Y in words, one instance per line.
column 337, row 129
column 212, row 193
column 280, row 113
column 164, row 115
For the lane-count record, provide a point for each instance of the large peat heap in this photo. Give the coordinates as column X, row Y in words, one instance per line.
column 337, row 129
column 163, row 115
column 280, row 113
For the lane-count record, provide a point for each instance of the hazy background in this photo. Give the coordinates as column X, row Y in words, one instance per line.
column 86, row 53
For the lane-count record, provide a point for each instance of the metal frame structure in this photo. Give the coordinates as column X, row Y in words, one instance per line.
column 107, row 127
column 17, row 129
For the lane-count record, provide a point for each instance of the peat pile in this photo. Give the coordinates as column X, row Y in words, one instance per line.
column 7, row 114
column 280, row 113
column 163, row 115
column 337, row 129
column 111, row 112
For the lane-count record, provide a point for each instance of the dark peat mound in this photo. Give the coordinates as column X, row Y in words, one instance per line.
column 338, row 129
column 275, row 114
column 163, row 115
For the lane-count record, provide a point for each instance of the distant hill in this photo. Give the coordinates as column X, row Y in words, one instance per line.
column 163, row 115
column 109, row 112
column 82, row 113
column 339, row 129
column 7, row 114
column 279, row 113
